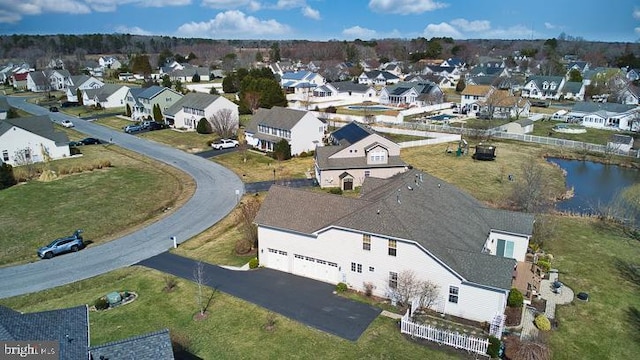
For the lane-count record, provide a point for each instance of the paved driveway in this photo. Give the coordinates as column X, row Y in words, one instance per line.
column 307, row 301
column 214, row 198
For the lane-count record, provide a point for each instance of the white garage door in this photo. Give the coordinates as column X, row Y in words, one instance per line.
column 315, row 268
column 278, row 260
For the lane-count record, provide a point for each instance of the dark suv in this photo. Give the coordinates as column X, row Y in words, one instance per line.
column 65, row 244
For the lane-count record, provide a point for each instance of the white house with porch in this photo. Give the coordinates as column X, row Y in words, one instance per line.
column 31, row 140
column 302, row 129
column 609, row 116
column 187, row 112
column 412, row 222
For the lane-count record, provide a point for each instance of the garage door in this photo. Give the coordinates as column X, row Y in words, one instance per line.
column 278, row 260
column 318, row 269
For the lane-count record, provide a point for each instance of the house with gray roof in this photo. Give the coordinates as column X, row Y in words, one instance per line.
column 37, row 81
column 356, row 153
column 68, row 329
column 345, row 88
column 187, row 112
column 80, row 82
column 141, row 101
column 543, row 87
column 108, row 96
column 411, row 222
column 409, row 94
column 610, row 116
column 300, row 82
column 620, row 144
column 4, row 108
column 377, row 77
column 30, row 140
column 302, row 129
column 573, row 90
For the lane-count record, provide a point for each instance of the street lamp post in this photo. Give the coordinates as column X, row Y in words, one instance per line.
column 274, row 176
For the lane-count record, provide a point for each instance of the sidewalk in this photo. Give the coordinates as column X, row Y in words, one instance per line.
column 563, row 296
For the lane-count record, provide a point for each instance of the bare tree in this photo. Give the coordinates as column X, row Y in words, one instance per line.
column 224, row 123
column 248, row 211
column 24, row 158
column 253, row 100
column 530, row 192
column 407, row 287
column 199, row 278
column 428, row 293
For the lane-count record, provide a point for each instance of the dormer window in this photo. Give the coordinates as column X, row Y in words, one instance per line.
column 545, row 85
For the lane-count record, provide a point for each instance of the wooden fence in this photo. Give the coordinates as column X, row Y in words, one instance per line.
column 454, row 339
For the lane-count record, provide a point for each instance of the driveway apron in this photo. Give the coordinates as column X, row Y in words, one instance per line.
column 304, row 300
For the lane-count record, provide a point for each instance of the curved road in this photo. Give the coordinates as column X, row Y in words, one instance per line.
column 217, row 193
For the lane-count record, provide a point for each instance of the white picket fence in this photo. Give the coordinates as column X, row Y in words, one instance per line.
column 454, row 339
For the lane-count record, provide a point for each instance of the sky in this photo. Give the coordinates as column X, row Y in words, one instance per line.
column 322, row 20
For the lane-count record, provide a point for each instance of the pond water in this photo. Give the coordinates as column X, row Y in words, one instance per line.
column 369, row 107
column 593, row 184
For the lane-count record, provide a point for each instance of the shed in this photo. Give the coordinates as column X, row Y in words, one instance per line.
column 620, row 143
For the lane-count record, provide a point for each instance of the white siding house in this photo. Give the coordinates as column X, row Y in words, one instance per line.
column 187, row 112
column 410, row 222
column 108, row 96
column 31, row 140
column 302, row 129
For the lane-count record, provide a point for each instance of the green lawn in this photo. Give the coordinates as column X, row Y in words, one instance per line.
column 234, row 329
column 34, row 213
column 593, row 136
column 253, row 166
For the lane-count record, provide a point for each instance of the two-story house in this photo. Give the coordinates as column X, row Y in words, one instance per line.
column 108, row 96
column 300, row 82
column 409, row 222
column 140, row 101
column 187, row 112
column 80, row 82
column 356, row 152
column 377, row 77
column 302, row 129
column 543, row 87
column 473, row 97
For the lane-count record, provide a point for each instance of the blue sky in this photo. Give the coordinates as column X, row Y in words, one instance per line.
column 611, row 20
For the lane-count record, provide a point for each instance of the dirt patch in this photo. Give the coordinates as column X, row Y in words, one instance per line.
column 514, row 316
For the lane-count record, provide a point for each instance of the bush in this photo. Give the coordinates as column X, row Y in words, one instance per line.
column 331, row 110
column 204, row 127
column 335, row 191
column 101, row 304
column 494, row 347
column 303, row 154
column 368, row 288
column 253, row 263
column 515, row 298
column 341, row 287
column 542, row 323
column 545, row 265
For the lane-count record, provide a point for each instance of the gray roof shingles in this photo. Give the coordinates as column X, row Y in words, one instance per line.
column 156, row 345
column 449, row 223
column 276, row 117
column 39, row 125
column 192, row 100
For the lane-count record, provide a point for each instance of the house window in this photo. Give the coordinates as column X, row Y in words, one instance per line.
column 393, row 280
column 392, row 247
column 5, row 155
column 505, row 248
column 356, row 267
column 453, row 294
column 367, row 173
column 366, row 242
column 372, row 269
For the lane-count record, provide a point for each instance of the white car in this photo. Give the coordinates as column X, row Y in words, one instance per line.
column 224, row 144
column 66, row 123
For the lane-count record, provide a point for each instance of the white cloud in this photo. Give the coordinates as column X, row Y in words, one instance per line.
column 636, row 13
column 290, row 4
column 549, row 26
column 513, row 32
column 441, row 30
column 474, row 26
column 637, row 30
column 236, row 24
column 231, row 4
column 405, row 7
column 123, row 29
column 357, row 32
column 314, row 14
column 9, row 17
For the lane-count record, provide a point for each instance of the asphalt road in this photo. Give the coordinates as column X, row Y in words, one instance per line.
column 218, row 191
column 307, row 301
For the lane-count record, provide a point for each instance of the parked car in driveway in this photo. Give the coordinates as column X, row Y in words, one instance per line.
column 61, row 245
column 66, row 123
column 225, row 144
column 154, row 125
column 133, row 128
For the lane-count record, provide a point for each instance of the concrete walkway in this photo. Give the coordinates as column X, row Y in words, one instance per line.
column 564, row 295
column 529, row 329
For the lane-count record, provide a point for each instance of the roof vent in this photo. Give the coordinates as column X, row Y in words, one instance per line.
column 409, row 187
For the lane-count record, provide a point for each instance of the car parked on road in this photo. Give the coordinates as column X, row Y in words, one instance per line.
column 131, row 128
column 53, row 109
column 61, row 245
column 154, row 125
column 67, row 104
column 224, row 144
column 66, row 123
column 90, row 141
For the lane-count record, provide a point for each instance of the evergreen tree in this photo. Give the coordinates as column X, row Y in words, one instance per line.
column 460, row 85
column 79, row 97
column 204, row 127
column 282, row 150
column 195, row 78
column 6, row 176
column 274, row 52
column 166, row 81
column 157, row 113
column 128, row 111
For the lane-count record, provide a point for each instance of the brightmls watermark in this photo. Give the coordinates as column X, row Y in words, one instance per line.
column 37, row 350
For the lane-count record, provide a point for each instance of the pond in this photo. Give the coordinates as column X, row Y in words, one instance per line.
column 370, row 107
column 594, row 184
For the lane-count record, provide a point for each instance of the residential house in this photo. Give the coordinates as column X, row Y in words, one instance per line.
column 141, row 101
column 37, row 81
column 392, row 67
column 630, row 95
column 188, row 110
column 573, row 90
column 621, row 144
column 81, row 82
column 490, row 62
column 356, row 152
column 377, row 77
column 281, row 67
column 21, row 81
column 58, row 79
column 68, row 330
column 610, row 116
column 455, row 62
column 300, row 82
column 302, row 129
column 186, row 74
column 109, row 62
column 108, row 96
column 502, row 104
column 345, row 88
column 581, row 66
column 31, row 140
column 443, row 82
column 543, row 87
column 408, row 94
column 411, row 222
column 473, row 96
column 633, row 74
column 487, row 71
column 4, row 108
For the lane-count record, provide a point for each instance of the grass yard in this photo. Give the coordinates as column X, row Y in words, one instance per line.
column 588, row 255
column 593, row 136
column 113, row 122
column 260, row 167
column 485, row 180
column 34, row 213
column 234, row 328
